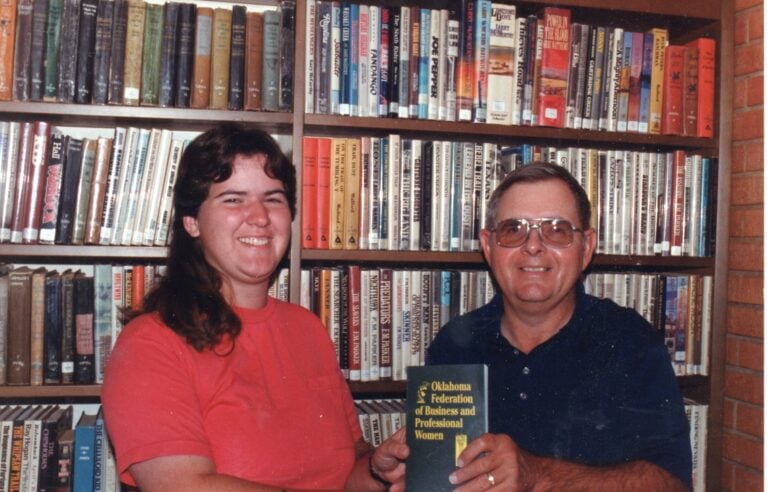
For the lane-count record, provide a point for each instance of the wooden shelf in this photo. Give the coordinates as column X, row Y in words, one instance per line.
column 91, row 115
column 80, row 253
column 327, row 125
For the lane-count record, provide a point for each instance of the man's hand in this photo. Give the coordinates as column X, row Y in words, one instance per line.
column 388, row 460
column 493, row 462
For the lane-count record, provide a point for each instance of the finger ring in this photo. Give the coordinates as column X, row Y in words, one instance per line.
column 491, row 480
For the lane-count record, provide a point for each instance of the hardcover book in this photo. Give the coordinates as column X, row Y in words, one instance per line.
column 117, row 52
column 22, row 55
column 201, row 81
column 446, row 408
column 134, row 44
column 151, row 54
column 102, row 50
column 237, row 58
column 167, row 83
column 86, row 48
column 705, row 86
column 37, row 57
column 254, row 40
column 70, row 25
column 185, row 54
column 270, row 74
column 221, row 42
column 288, row 27
column 7, row 39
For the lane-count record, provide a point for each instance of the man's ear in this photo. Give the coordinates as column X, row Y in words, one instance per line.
column 191, row 226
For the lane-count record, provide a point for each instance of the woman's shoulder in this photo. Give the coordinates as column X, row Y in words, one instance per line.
column 147, row 328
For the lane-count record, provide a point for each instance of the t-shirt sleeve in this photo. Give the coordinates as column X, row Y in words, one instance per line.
column 150, row 407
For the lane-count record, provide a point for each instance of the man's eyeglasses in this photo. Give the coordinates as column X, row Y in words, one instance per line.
column 557, row 233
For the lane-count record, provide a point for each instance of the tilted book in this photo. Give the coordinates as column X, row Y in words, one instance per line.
column 446, row 409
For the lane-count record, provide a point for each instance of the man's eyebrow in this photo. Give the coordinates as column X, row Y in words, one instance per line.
column 276, row 191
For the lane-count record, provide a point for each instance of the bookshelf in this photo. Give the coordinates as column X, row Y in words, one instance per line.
column 685, row 21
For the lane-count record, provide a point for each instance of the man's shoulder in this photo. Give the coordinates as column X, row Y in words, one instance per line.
column 608, row 322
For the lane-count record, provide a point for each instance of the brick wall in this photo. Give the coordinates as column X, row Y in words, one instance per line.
column 743, row 394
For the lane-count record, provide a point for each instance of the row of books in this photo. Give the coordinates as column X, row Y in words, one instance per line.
column 134, row 52
column 66, row 190
column 381, row 320
column 41, row 450
column 59, row 327
column 697, row 414
column 380, row 418
column 407, row 194
column 484, row 62
column 679, row 306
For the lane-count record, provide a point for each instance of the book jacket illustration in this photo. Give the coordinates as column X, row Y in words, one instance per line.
column 446, row 410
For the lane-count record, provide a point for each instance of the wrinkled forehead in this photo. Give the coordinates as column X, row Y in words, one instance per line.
column 532, row 200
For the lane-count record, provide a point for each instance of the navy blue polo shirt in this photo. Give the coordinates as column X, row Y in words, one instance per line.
column 601, row 391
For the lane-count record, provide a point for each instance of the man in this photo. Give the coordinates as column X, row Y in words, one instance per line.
column 582, row 393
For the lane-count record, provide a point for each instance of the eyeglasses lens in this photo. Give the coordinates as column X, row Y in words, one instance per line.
column 553, row 232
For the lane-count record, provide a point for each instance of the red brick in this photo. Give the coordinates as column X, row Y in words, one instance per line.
column 750, row 354
column 756, row 23
column 744, row 450
column 746, row 288
column 732, row 351
column 749, row 419
column 745, row 320
column 753, row 160
column 755, row 90
column 740, row 93
column 745, row 255
column 746, row 480
column 728, row 476
column 748, row 124
column 748, row 58
column 743, row 385
column 729, row 413
column 741, row 34
column 746, row 189
column 746, row 221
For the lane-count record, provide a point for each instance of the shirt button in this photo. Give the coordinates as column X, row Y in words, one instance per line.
column 523, row 396
column 526, row 370
column 516, row 352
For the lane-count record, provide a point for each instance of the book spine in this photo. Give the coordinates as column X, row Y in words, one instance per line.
column 221, row 39
column 309, row 192
column 37, row 61
column 424, row 63
column 53, row 322
column 673, row 94
column 7, row 40
column 254, row 40
column 151, row 55
column 362, row 60
column 52, row 190
column 287, row 28
column 117, row 52
column 690, row 90
column 334, row 56
column 657, row 80
column 384, row 41
column 134, row 43
column 168, row 59
column 310, row 61
column 86, row 45
column 201, row 73
column 99, row 186
column 554, row 67
column 270, row 75
column 33, row 208
column 185, row 54
column 395, row 36
column 635, row 83
column 404, row 79
column 465, row 78
column 22, row 56
column 705, row 122
column 374, row 62
column 237, row 59
column 622, row 114
column 83, row 191
column 481, row 41
column 102, row 49
column 22, row 183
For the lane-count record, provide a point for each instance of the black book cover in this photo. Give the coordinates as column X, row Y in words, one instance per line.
column 67, row 200
column 68, row 326
column 53, row 324
column 22, row 52
column 394, row 62
column 52, row 42
column 185, row 54
column 70, row 27
column 54, row 425
column 167, row 92
column 84, row 342
column 288, row 28
column 237, row 59
column 117, row 52
column 86, row 48
column 37, row 57
column 427, row 178
column 446, row 409
column 102, row 51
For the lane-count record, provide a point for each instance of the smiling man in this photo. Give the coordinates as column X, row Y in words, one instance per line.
column 582, row 393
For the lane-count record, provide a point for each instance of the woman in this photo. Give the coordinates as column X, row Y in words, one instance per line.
column 214, row 385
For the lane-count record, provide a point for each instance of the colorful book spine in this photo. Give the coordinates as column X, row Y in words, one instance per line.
column 554, row 67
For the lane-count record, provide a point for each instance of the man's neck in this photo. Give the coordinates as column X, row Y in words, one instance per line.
column 527, row 330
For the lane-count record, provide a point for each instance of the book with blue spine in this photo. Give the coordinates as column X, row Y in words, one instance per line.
column 344, row 54
column 424, row 49
column 336, row 60
column 84, row 453
column 645, row 83
column 354, row 54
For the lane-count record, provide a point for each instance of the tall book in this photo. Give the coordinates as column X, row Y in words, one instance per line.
column 645, row 83
column 165, row 206
column 83, row 196
column 337, row 192
column 221, row 43
column 7, row 40
column 22, row 182
column 481, row 40
column 254, row 40
column 270, row 72
column 113, row 179
column 554, row 67
column 185, row 54
column 52, row 43
column 352, row 211
column 35, row 199
column 84, row 453
column 168, row 60
column 70, row 22
column 4, row 315
column 635, row 82
column 705, row 87
column 465, row 82
column 73, row 152
column 54, row 175
column 446, row 409
column 52, row 330
column 660, row 37
column 19, row 326
column 323, row 210
column 672, row 99
column 37, row 57
column 22, row 56
column 149, row 87
column 117, row 52
column 99, row 184
column 201, row 73
column 105, row 12
column 86, row 48
column 309, row 192
column 84, row 341
column 623, row 89
column 237, row 58
column 68, row 325
column 155, row 188
column 690, row 90
column 287, row 29
column 37, row 327
column 501, row 64
column 134, row 43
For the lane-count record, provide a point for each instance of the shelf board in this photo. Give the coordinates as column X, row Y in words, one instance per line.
column 327, row 125
column 52, row 391
column 94, row 115
column 86, row 253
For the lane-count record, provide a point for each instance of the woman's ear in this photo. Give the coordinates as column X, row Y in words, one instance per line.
column 191, row 226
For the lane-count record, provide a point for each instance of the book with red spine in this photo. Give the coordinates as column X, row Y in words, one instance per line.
column 39, row 163
column 705, row 122
column 465, row 82
column 635, row 82
column 676, row 202
column 323, row 201
column 309, row 193
column 672, row 99
column 555, row 61
column 690, row 90
column 23, row 174
column 385, row 323
column 353, row 316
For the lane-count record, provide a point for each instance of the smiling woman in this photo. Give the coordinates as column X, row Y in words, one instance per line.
column 232, row 381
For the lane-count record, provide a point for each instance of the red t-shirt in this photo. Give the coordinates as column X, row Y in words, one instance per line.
column 276, row 410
